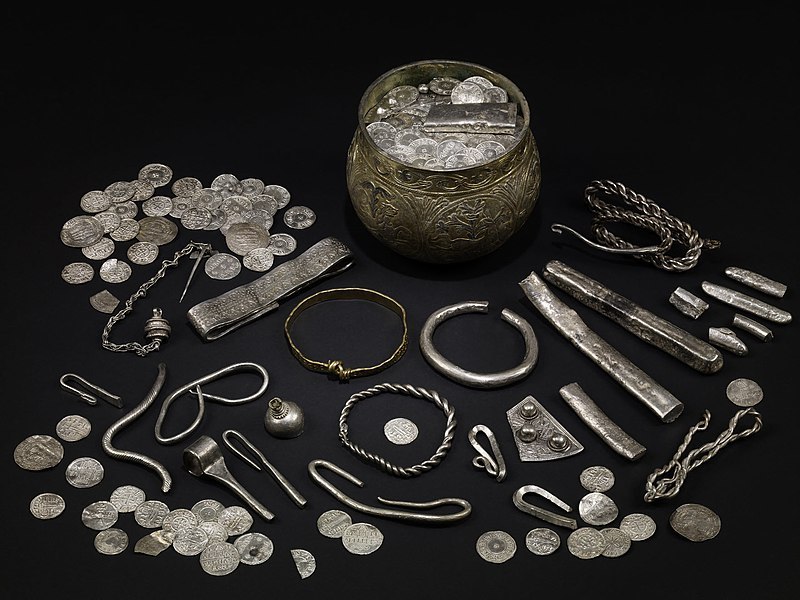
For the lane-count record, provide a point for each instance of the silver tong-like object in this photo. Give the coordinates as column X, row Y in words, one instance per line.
column 541, row 513
column 96, row 390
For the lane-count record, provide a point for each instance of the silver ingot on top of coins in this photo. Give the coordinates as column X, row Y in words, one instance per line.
column 38, row 452
column 111, row 541
column 496, row 546
column 47, row 506
column 73, row 428
column 84, row 472
column 332, row 523
column 695, row 522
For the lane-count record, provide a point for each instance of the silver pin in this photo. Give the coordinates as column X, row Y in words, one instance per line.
column 493, row 463
column 755, row 328
column 541, row 513
column 727, row 339
column 89, row 398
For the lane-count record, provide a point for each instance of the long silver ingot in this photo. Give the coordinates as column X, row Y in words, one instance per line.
column 591, row 414
column 752, row 327
column 756, row 281
column 638, row 383
column 746, row 303
column 218, row 316
column 654, row 330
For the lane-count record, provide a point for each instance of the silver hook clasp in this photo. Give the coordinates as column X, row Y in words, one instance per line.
column 89, row 398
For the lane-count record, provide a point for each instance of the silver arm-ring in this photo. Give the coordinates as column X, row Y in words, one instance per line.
column 470, row 378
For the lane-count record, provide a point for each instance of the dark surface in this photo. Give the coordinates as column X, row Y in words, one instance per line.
column 692, row 109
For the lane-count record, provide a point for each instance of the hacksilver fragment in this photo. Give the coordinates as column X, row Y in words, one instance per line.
column 757, row 281
column 727, row 339
column 746, row 303
column 686, row 302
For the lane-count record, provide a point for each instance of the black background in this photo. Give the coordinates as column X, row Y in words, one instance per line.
column 693, row 108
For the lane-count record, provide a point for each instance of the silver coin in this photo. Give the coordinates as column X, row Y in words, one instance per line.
column 495, row 94
column 158, row 230
column 195, row 218
column 236, row 519
column 638, row 526
column 400, row 431
column 142, row 253
column 120, row 191
column 125, row 210
column 252, row 186
column 111, row 541
column 154, row 543
column 597, row 479
column 304, row 561
column 179, row 519
column 150, row 514
column 496, row 546
column 744, row 392
column 280, row 193
column 100, row 250
column 266, row 203
column 254, row 548
column 77, row 272
column 187, row 187
column 95, row 201
column 243, row 237
column 47, row 506
column 142, row 190
column 258, row 259
column 38, row 452
column 542, row 541
column 81, row 231
column 299, row 217
column 207, row 510
column 227, row 183
column 362, row 538
column 491, row 149
column 180, row 205
column 220, row 558
column 596, row 508
column 222, row 266
column 156, row 173
column 480, row 81
column 104, row 302
column 157, row 206
column 443, row 85
column 586, row 542
column 190, row 541
column 114, row 270
column 73, row 428
column 281, row 244
column 99, row 515
column 84, row 472
column 207, row 198
column 332, row 523
column 467, row 92
column 260, row 217
column 109, row 220
column 695, row 522
column 127, row 498
column 216, row 532
column 617, row 542
column 127, row 229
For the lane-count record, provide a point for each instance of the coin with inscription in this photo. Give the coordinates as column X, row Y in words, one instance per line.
column 109, row 220
column 744, row 392
column 280, row 193
column 362, row 538
column 81, row 231
column 190, row 541
column 304, row 561
column 586, row 542
column 695, row 522
column 111, row 541
column 73, row 428
column 158, row 230
column 100, row 250
column 127, row 229
column 542, row 541
column 617, row 542
column 127, row 498
column 216, row 532
column 220, row 558
column 254, row 548
column 597, row 479
column 157, row 206
column 179, row 519
column 95, row 201
column 281, row 244
column 187, row 187
column 332, row 523
column 207, row 510
column 99, row 515
column 222, row 266
column 299, row 217
column 150, row 514
column 38, row 452
column 142, row 190
column 47, row 506
column 114, row 270
column 400, row 431
column 496, row 546
column 156, row 173
column 104, row 302
column 142, row 253
column 120, row 191
column 77, row 273
column 84, row 472
column 243, row 237
column 596, row 508
column 258, row 259
column 638, row 526
column 236, row 519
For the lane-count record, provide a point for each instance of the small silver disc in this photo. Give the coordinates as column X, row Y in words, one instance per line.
column 77, row 272
column 111, row 541
column 638, row 526
column 695, row 522
column 299, row 217
column 496, row 546
column 236, row 519
column 254, row 548
column 223, row 266
column 542, row 541
column 99, row 515
column 38, row 452
column 744, row 392
column 400, row 431
column 220, row 558
column 596, row 508
column 73, row 428
column 150, row 514
column 127, row 498
column 617, row 542
column 597, row 479
column 47, row 506
column 84, row 472
column 332, row 523
column 362, row 538
column 586, row 542
column 104, row 302
column 304, row 561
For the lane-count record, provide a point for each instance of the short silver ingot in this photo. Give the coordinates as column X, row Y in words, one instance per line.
column 156, row 173
column 281, row 244
column 104, row 302
column 236, row 519
column 99, row 515
column 259, row 260
column 142, row 253
column 617, row 542
column 150, row 514
column 38, row 452
column 744, row 392
column 223, row 266
column 400, row 431
column 727, row 339
column 362, row 538
column 127, row 498
column 207, row 510
column 332, row 523
column 81, row 231
column 686, row 302
column 100, row 250
column 254, row 548
column 596, row 508
column 597, row 479
column 179, row 519
column 158, row 230
column 542, row 541
column 304, row 562
column 47, row 506
column 190, row 541
column 586, row 543
column 111, row 541
column 638, row 526
column 73, row 428
column 76, row 273
column 695, row 522
column 299, row 217
column 84, row 472
column 114, row 270
column 496, row 546
column 220, row 558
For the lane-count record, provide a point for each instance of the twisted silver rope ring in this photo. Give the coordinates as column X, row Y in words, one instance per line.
column 382, row 463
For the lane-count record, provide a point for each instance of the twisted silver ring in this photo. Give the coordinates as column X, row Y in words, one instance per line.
column 469, row 378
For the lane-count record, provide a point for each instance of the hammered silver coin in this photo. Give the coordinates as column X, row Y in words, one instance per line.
column 154, row 543
column 157, row 206
column 216, row 532
column 95, row 201
column 120, row 191
column 47, row 506
column 236, row 519
column 362, row 538
column 222, row 266
column 638, row 526
column 241, row 238
column 254, row 548
column 76, row 273
column 156, row 173
column 150, row 514
column 258, row 259
column 104, row 302
column 542, row 541
column 695, row 522
column 99, row 515
column 84, row 472
column 109, row 220
column 281, row 244
column 127, row 229
column 111, row 541
column 220, row 558
column 190, row 541
column 127, row 498
column 142, row 253
column 744, row 392
column 596, row 508
column 496, row 546
column 100, row 250
column 142, row 190
column 299, row 217
column 400, row 431
column 597, row 479
column 207, row 510
column 227, row 183
column 125, row 210
column 586, row 542
column 187, row 187
column 280, row 193
column 179, row 519
column 158, row 230
column 81, row 231
column 73, row 428
column 304, row 562
column 38, row 452
column 114, row 270
column 617, row 542
column 332, row 523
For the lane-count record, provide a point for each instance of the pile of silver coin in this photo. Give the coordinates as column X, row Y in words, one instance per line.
column 397, row 124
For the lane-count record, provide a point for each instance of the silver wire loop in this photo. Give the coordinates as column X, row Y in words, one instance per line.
column 86, row 396
column 493, row 463
column 541, row 513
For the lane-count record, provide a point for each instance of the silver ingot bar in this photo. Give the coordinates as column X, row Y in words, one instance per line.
column 756, row 281
column 654, row 330
column 591, row 414
column 726, row 338
column 752, row 327
column 638, row 383
column 746, row 303
column 483, row 117
column 686, row 302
